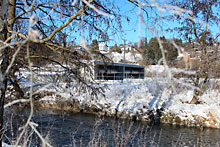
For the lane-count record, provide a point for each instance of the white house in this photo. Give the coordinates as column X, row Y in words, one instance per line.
column 103, row 48
column 128, row 47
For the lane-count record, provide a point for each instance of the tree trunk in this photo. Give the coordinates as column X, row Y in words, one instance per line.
column 197, row 93
column 11, row 15
column 4, row 61
column 19, row 92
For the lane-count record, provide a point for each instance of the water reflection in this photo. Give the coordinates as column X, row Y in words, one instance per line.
column 69, row 129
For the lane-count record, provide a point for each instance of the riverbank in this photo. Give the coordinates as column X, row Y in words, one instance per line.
column 151, row 100
column 62, row 128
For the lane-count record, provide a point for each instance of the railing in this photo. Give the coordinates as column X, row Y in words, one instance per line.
column 119, row 75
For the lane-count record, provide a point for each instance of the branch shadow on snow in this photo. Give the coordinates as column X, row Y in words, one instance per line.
column 155, row 110
column 154, row 116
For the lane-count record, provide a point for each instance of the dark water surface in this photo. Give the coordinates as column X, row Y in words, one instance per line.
column 69, row 129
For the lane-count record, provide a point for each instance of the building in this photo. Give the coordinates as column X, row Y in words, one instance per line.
column 126, row 47
column 103, row 48
column 117, row 71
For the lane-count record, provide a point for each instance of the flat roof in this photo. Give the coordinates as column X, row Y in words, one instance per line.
column 118, row 64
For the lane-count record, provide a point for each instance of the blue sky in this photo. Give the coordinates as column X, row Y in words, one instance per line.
column 131, row 29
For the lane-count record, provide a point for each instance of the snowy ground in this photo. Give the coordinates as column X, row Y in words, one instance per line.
column 117, row 57
column 151, row 99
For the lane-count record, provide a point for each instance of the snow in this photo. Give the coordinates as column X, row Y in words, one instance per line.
column 155, row 71
column 117, row 57
column 142, row 99
column 155, row 68
column 137, row 99
column 6, row 145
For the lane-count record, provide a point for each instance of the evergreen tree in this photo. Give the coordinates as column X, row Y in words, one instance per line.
column 116, row 49
column 94, row 47
column 154, row 52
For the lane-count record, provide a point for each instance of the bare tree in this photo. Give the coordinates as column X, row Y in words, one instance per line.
column 33, row 33
column 195, row 27
column 4, row 60
column 195, row 19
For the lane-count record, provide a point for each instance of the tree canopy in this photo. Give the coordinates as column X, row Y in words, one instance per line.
column 199, row 18
column 35, row 33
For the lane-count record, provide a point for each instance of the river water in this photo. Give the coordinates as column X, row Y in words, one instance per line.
column 79, row 129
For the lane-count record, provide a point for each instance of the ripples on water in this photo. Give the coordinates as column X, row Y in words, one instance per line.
column 69, row 129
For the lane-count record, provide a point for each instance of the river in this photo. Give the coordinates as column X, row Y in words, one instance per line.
column 79, row 129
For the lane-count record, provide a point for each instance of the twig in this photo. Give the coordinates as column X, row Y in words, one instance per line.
column 97, row 10
column 33, row 125
column 15, row 102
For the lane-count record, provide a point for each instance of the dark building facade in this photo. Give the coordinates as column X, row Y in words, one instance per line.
column 117, row 71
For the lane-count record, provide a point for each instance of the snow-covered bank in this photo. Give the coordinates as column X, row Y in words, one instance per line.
column 149, row 100
column 7, row 145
